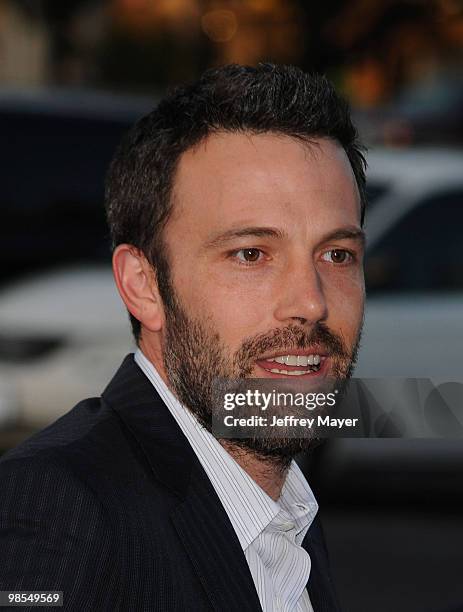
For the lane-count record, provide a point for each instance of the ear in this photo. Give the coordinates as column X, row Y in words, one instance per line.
column 136, row 282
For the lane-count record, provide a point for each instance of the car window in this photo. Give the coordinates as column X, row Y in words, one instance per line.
column 52, row 189
column 422, row 251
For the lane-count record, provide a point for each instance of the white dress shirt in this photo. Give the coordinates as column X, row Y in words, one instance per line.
column 270, row 533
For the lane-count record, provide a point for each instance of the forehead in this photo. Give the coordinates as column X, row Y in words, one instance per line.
column 238, row 178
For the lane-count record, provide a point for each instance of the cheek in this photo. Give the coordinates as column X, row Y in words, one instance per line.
column 238, row 311
column 345, row 296
column 237, row 307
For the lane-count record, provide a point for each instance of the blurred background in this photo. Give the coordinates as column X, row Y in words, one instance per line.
column 75, row 75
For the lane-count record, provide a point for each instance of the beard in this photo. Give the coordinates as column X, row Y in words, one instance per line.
column 195, row 356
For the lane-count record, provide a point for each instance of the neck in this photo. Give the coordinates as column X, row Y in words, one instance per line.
column 268, row 472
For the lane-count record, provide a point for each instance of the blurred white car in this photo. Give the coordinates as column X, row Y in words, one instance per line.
column 62, row 336
column 414, row 266
column 63, row 333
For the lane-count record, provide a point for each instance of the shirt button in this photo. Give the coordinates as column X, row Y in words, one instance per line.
column 287, row 526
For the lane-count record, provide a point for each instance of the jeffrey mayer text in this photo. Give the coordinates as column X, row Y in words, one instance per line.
column 289, row 421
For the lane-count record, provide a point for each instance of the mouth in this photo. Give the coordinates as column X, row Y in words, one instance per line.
column 303, row 363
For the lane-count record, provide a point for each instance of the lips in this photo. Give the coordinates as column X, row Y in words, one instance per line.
column 305, row 363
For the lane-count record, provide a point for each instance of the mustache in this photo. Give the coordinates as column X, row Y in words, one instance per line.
column 292, row 336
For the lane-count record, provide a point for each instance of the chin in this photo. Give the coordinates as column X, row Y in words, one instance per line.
column 279, row 450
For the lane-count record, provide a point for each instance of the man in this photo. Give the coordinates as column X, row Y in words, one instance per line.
column 235, row 209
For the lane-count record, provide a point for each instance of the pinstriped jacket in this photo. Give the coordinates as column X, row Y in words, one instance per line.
column 110, row 505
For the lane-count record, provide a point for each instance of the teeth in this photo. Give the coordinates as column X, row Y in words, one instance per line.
column 297, row 360
column 289, row 372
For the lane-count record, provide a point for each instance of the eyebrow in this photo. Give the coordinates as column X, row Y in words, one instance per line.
column 346, row 233
column 244, row 232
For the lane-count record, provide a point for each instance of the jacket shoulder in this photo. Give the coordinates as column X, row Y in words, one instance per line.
column 68, row 429
column 54, row 531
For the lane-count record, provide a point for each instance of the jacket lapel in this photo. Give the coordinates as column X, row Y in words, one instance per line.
column 199, row 517
column 321, row 589
column 214, row 549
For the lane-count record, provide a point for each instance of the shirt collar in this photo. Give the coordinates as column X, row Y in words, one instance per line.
column 248, row 507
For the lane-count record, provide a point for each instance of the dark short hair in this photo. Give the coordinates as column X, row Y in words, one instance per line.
column 267, row 98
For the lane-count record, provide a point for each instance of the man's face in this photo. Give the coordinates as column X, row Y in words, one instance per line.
column 265, row 263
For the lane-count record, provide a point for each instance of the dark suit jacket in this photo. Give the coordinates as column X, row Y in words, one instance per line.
column 110, row 505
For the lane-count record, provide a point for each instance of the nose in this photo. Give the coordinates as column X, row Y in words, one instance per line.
column 301, row 295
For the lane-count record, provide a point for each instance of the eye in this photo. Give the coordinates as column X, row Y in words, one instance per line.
column 338, row 256
column 249, row 256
